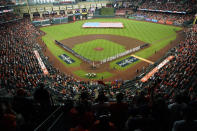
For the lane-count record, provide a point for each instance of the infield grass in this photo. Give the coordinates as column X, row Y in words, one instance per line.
column 88, row 49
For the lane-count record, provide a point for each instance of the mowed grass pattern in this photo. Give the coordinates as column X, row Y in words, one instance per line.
column 87, row 49
column 144, row 31
column 157, row 35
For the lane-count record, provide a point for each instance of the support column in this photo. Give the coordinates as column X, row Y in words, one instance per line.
column 41, row 14
column 31, row 16
column 20, row 14
column 58, row 12
column 65, row 12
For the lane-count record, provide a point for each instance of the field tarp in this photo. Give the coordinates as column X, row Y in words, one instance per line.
column 103, row 25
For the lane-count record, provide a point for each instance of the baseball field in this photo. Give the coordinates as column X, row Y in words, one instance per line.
column 97, row 44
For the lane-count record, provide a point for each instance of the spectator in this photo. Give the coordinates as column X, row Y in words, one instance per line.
column 188, row 123
column 42, row 96
column 7, row 118
column 119, row 111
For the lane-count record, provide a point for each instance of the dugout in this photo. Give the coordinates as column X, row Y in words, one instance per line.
column 36, row 23
column 77, row 14
column 41, row 22
column 71, row 17
column 59, row 20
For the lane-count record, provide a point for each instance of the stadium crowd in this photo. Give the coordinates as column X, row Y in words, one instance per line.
column 171, row 89
column 18, row 64
column 19, row 67
column 20, row 73
column 171, row 5
column 6, row 2
column 175, row 18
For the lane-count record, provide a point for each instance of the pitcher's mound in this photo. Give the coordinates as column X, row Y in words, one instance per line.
column 98, row 49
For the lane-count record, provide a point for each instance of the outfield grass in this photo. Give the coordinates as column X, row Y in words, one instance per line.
column 87, row 49
column 157, row 35
column 144, row 31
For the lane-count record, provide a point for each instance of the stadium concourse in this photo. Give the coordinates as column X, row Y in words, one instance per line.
column 30, row 100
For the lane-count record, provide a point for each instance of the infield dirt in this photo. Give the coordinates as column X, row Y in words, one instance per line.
column 129, row 43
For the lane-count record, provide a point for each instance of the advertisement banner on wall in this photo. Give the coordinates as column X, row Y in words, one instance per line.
column 99, row 5
column 161, row 21
column 180, row 12
column 55, row 8
column 43, row 67
column 169, row 22
column 66, row 59
column 62, row 7
column 40, row 9
column 75, row 6
column 69, row 7
column 131, row 17
column 93, row 5
column 153, row 20
column 148, row 19
column 48, row 9
column 33, row 10
column 156, row 69
column 82, row 6
column 103, row 4
column 139, row 18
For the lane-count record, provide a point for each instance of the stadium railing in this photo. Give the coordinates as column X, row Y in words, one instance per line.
column 49, row 122
column 46, row 22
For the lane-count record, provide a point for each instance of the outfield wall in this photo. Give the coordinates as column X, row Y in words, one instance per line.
column 144, row 18
column 47, row 22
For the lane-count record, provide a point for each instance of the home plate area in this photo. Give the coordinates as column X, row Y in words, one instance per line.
column 103, row 25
